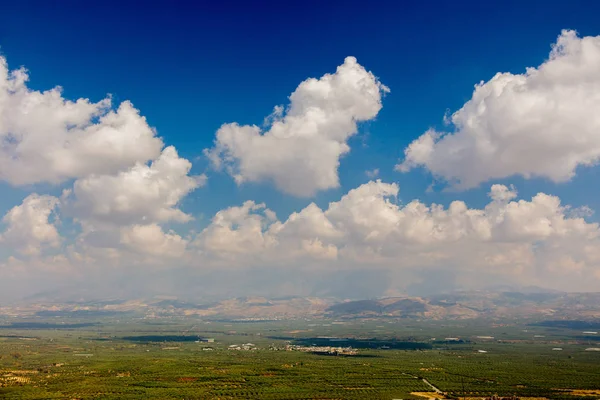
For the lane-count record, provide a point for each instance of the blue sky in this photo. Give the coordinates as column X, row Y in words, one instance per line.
column 192, row 67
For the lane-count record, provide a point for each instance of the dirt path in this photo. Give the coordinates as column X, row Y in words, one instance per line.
column 435, row 389
column 431, row 385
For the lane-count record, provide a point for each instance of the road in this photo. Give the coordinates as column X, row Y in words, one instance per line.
column 431, row 385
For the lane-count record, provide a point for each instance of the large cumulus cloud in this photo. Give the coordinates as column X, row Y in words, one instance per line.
column 47, row 138
column 300, row 152
column 542, row 123
column 121, row 183
column 537, row 240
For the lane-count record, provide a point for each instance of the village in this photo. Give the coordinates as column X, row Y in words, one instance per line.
column 322, row 350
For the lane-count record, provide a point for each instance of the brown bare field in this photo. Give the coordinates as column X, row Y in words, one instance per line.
column 429, row 395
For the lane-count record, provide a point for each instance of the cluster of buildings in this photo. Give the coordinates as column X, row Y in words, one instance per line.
column 205, row 340
column 326, row 350
column 245, row 346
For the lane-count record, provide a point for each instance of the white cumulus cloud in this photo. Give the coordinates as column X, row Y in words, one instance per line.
column 542, row 123
column 238, row 231
column 121, row 214
column 534, row 240
column 140, row 195
column 300, row 152
column 152, row 240
column 28, row 226
column 46, row 138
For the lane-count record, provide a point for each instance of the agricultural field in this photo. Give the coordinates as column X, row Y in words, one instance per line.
column 107, row 358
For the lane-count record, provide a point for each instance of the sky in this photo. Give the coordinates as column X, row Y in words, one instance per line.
column 300, row 148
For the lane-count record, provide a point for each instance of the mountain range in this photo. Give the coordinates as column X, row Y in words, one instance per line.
column 529, row 304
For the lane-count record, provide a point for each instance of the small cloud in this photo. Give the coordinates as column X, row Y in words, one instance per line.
column 448, row 117
column 372, row 173
column 580, row 212
column 275, row 115
column 365, row 139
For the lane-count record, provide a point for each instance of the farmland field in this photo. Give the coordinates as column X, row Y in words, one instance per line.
column 106, row 358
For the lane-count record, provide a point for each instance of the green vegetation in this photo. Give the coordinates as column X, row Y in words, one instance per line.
column 106, row 358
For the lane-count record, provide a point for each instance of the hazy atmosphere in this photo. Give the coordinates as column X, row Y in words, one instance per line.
column 138, row 157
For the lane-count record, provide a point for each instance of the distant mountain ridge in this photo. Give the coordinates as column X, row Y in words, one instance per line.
column 455, row 305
